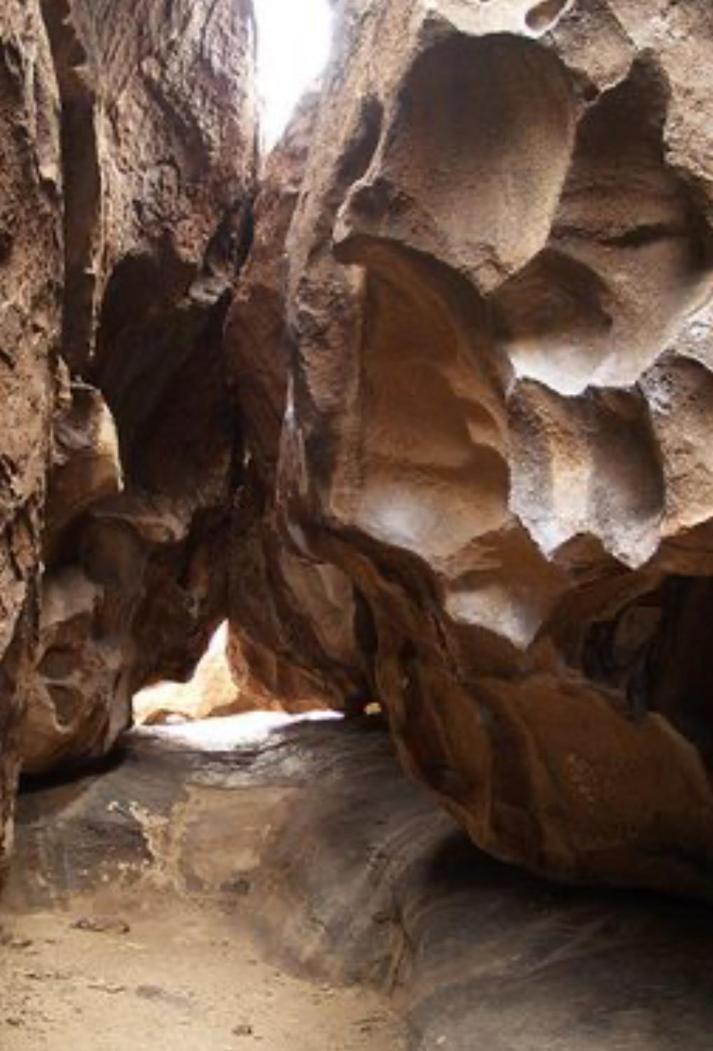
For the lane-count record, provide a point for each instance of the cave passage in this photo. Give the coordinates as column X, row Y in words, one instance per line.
column 401, row 366
column 211, row 690
column 215, row 694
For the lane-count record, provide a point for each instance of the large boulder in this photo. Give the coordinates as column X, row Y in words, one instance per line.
column 30, row 282
column 500, row 412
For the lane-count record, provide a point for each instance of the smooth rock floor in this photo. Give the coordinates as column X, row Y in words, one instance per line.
column 286, row 886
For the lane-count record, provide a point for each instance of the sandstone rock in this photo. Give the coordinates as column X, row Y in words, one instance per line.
column 30, row 280
column 67, row 700
column 498, row 413
column 292, row 618
column 470, row 477
column 158, row 138
column 158, row 152
column 211, row 691
column 85, row 467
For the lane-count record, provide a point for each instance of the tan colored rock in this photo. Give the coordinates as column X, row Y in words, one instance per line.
column 71, row 695
column 211, row 690
column 86, row 466
column 67, row 706
column 293, row 636
column 30, row 280
column 498, row 413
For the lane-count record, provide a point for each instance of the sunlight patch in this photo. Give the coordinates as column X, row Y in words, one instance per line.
column 293, row 46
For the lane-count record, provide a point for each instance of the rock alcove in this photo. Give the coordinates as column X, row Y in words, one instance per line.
column 418, row 406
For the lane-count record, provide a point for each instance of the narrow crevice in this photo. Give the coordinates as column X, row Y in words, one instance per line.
column 82, row 184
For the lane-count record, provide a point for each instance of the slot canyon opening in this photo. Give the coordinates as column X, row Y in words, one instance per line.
column 220, row 692
column 293, row 41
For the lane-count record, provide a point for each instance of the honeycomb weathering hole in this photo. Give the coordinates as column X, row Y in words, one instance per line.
column 544, row 16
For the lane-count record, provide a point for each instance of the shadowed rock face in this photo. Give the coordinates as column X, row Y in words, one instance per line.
column 159, row 152
column 497, row 424
column 293, row 619
column 128, row 173
column 30, row 273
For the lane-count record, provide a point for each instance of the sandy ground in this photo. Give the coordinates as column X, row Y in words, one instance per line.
column 189, row 981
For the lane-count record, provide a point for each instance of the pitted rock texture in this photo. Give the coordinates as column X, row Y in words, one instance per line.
column 158, row 151
column 158, row 134
column 498, row 420
column 30, row 277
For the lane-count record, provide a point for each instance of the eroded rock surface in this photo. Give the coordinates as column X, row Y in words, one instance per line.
column 127, row 172
column 30, row 280
column 158, row 150
column 210, row 692
column 293, row 619
column 452, row 453
column 498, row 415
column 311, row 838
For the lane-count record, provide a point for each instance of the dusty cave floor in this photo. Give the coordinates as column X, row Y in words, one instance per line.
column 178, row 977
column 285, row 886
column 136, row 958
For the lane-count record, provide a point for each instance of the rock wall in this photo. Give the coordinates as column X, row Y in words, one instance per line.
column 293, row 619
column 127, row 173
column 498, row 414
column 30, row 282
column 158, row 148
column 453, row 451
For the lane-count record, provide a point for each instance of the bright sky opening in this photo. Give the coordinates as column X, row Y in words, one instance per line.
column 293, row 47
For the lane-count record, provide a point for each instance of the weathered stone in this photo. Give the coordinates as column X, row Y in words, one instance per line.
column 158, row 148
column 85, row 462
column 30, row 280
column 292, row 619
column 67, row 710
column 470, row 477
column 498, row 413
column 211, row 691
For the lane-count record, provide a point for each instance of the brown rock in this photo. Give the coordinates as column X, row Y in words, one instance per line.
column 470, row 478
column 211, row 691
column 498, row 416
column 292, row 618
column 30, row 278
column 158, row 149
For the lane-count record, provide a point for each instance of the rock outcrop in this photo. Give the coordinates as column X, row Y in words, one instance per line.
column 293, row 619
column 158, row 150
column 30, row 286
column 452, row 452
column 127, row 173
column 210, row 692
column 351, row 873
column 499, row 414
